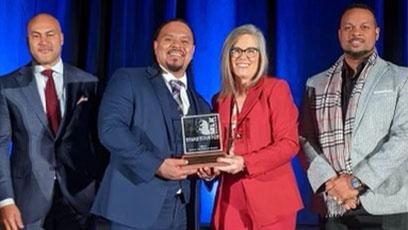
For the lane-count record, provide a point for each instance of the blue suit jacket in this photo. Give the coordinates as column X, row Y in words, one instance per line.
column 134, row 125
column 37, row 156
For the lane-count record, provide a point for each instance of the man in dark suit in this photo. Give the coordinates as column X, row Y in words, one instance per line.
column 145, row 185
column 46, row 114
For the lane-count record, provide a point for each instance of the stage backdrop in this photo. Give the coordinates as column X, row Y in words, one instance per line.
column 101, row 36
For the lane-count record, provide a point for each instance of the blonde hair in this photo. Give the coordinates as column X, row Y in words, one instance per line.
column 228, row 85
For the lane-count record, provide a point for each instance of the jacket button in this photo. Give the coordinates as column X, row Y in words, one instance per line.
column 238, row 136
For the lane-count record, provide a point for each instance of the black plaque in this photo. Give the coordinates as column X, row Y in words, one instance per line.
column 202, row 140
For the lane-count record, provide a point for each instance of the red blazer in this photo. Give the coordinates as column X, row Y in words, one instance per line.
column 267, row 138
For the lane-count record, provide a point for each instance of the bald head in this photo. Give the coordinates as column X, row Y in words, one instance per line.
column 42, row 19
column 45, row 39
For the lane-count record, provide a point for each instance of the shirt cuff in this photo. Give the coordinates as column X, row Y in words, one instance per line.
column 6, row 202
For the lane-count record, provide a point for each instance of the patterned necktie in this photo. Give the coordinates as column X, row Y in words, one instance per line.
column 51, row 102
column 176, row 86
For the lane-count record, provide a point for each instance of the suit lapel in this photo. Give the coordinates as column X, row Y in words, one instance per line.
column 71, row 90
column 30, row 90
column 379, row 69
column 162, row 93
column 70, row 94
column 224, row 108
column 195, row 107
column 251, row 99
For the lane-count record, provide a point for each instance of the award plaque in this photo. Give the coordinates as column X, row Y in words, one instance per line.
column 202, row 140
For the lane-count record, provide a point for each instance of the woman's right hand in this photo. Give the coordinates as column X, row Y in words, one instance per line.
column 235, row 164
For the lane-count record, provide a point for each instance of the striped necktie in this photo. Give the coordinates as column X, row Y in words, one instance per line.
column 176, row 87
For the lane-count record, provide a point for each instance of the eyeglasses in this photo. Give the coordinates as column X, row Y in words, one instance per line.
column 250, row 52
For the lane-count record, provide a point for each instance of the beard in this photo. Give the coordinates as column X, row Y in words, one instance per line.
column 358, row 54
column 174, row 66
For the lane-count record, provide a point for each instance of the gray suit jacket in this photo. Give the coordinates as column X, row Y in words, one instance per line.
column 27, row 175
column 379, row 150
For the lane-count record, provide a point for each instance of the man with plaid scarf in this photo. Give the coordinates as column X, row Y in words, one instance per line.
column 354, row 132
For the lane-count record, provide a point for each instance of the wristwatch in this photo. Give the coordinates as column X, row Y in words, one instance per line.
column 357, row 185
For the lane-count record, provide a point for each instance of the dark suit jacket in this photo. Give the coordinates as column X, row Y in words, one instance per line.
column 134, row 125
column 37, row 156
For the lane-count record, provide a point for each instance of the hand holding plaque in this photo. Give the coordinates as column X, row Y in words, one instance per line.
column 202, row 140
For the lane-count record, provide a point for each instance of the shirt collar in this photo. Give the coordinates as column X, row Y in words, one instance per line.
column 349, row 72
column 58, row 67
column 169, row 76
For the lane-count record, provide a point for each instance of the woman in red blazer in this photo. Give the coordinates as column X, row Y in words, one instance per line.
column 257, row 188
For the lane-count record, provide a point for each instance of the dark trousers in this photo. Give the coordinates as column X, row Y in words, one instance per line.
column 172, row 216
column 62, row 216
column 360, row 219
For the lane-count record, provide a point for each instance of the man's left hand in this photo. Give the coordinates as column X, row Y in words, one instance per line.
column 208, row 173
column 340, row 188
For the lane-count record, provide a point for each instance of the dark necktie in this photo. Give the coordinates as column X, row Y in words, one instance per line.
column 176, row 86
column 51, row 102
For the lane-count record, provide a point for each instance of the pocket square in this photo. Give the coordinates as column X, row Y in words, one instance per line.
column 82, row 99
column 383, row 91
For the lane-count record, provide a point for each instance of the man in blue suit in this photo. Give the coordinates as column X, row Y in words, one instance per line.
column 46, row 111
column 145, row 185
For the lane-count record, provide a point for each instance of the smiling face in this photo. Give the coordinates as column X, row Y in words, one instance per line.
column 174, row 47
column 245, row 68
column 45, row 40
column 358, row 33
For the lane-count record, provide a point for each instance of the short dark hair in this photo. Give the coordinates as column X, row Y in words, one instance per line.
column 159, row 29
column 355, row 5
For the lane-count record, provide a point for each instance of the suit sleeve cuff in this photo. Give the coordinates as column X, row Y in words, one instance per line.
column 368, row 177
column 319, row 172
column 6, row 202
column 151, row 164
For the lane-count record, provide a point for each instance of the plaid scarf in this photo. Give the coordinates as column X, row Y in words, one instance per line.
column 334, row 131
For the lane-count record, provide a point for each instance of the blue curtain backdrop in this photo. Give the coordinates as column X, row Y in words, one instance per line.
column 101, row 36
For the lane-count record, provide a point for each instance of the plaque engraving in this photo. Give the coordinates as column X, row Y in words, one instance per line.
column 202, row 140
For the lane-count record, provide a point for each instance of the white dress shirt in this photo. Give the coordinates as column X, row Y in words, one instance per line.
column 183, row 91
column 58, row 76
